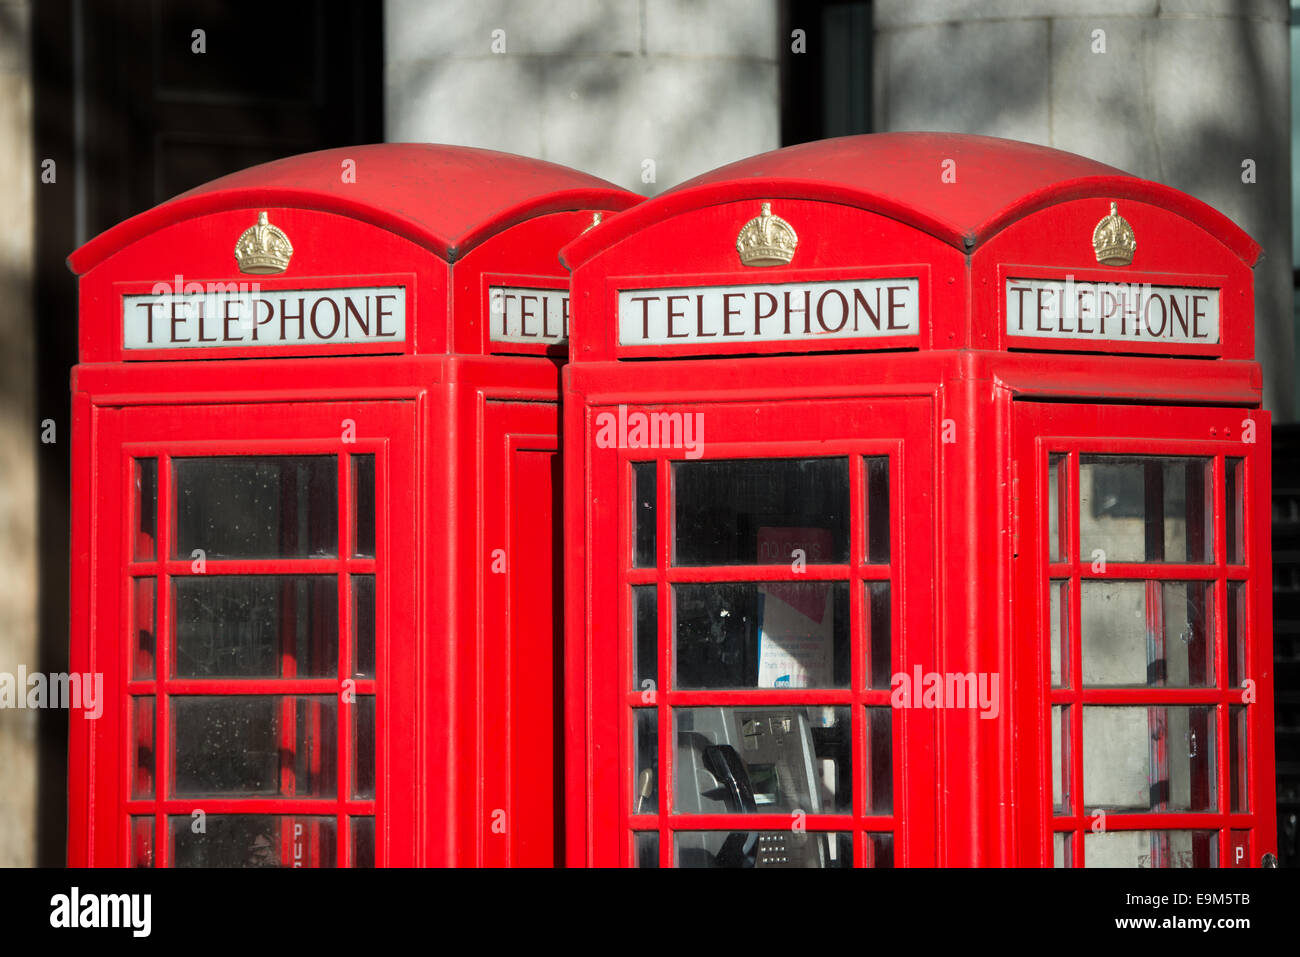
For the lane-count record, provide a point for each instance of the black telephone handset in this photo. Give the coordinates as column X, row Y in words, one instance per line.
column 773, row 848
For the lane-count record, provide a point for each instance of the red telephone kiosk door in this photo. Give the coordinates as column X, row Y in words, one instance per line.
column 266, row 599
column 1146, row 556
column 769, row 579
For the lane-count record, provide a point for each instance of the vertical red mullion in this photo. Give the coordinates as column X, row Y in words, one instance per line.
column 162, row 661
column 345, row 546
column 663, row 600
column 858, row 652
column 1073, row 752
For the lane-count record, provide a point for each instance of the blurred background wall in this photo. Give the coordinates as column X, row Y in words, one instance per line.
column 645, row 93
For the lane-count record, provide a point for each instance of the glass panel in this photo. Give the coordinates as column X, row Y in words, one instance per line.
column 645, row 637
column 1058, row 618
column 142, row 831
column 645, row 784
column 257, row 506
column 363, row 747
column 146, row 509
column 255, row 745
column 363, row 515
column 1148, row 633
column 763, row 760
column 253, row 840
column 144, row 617
column 142, row 733
column 877, row 518
column 1060, row 759
column 1061, row 854
column 1151, row 849
column 1145, row 508
column 1148, row 758
column 1236, row 627
column 879, row 640
column 880, row 850
column 646, row 514
column 762, row 635
column 363, row 841
column 363, row 626
column 1234, row 481
column 879, row 772
column 256, row 626
column 1056, row 524
column 759, row 511
column 647, row 848
column 763, row 849
column 1237, row 752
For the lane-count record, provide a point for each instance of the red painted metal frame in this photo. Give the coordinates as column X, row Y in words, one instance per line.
column 1042, row 430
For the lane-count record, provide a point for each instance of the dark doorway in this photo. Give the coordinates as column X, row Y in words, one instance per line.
column 136, row 101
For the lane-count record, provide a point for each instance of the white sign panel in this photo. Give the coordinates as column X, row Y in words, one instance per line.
column 797, row 311
column 228, row 315
column 1112, row 312
column 517, row 314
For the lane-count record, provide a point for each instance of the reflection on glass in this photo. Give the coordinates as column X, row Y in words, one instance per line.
column 748, row 760
column 1148, row 633
column 254, row 840
column 1234, row 482
column 880, row 850
column 280, row 506
column 1145, row 508
column 1056, row 525
column 363, row 841
column 878, row 638
column 1148, row 758
column 877, row 518
column 1238, row 780
column 761, row 511
column 146, row 508
column 255, row 745
column 363, row 515
column 1060, row 759
column 645, row 637
column 363, row 626
column 144, row 616
column 1061, row 851
column 645, row 783
column 363, row 747
column 142, row 831
column 647, row 848
column 256, row 626
column 1058, row 617
column 879, row 772
column 761, row 635
column 645, row 512
column 763, row 849
column 1151, row 848
column 142, row 733
column 1236, row 638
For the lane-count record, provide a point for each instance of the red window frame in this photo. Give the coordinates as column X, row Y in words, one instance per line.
column 165, row 433
column 856, row 429
column 1046, row 430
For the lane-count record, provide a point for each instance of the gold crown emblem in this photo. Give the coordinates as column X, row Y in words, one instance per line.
column 263, row 248
column 1113, row 240
column 766, row 240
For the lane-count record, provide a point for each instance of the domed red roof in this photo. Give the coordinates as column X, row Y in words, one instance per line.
column 446, row 198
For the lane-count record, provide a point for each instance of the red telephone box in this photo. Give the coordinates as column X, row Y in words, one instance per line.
column 917, row 513
column 314, row 498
